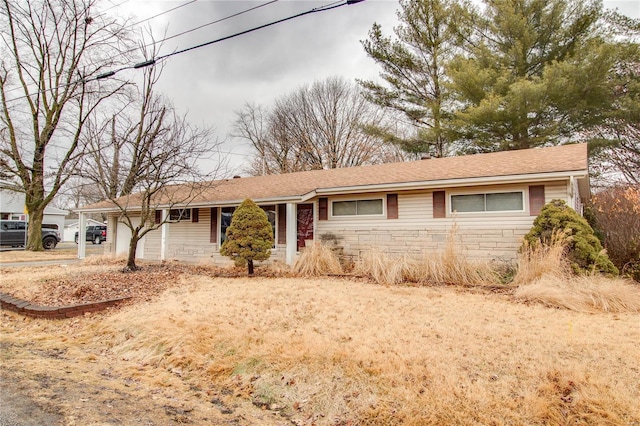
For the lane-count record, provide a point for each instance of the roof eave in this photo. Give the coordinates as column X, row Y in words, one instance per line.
column 202, row 204
column 448, row 183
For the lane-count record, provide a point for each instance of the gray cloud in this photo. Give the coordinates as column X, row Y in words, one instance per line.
column 214, row 81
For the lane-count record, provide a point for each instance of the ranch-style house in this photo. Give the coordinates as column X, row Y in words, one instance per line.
column 410, row 207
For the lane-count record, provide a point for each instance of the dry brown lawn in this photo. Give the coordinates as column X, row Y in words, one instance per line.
column 63, row 251
column 28, row 256
column 213, row 350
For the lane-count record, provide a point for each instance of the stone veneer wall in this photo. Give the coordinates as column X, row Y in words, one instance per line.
column 479, row 244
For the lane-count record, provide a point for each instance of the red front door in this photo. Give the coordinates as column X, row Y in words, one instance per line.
column 305, row 224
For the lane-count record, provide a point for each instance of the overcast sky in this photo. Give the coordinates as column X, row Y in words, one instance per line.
column 212, row 82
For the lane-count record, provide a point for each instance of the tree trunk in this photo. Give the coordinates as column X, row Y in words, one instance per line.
column 133, row 246
column 34, row 231
column 250, row 266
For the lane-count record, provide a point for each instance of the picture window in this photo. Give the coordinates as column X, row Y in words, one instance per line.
column 357, row 208
column 489, row 202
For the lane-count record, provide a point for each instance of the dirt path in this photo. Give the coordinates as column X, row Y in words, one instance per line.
column 18, row 409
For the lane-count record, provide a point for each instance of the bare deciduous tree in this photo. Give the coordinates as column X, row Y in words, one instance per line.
column 145, row 158
column 322, row 126
column 49, row 51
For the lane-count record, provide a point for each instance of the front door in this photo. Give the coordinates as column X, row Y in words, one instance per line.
column 305, row 224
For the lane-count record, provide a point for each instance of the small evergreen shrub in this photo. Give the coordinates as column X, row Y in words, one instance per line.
column 584, row 250
column 249, row 237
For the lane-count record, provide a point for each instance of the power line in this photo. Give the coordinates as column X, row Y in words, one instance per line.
column 120, row 54
column 161, row 13
column 146, row 63
column 153, row 61
column 198, row 27
column 314, row 10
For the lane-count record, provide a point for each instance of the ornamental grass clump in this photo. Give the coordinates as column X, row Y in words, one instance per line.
column 381, row 268
column 545, row 276
column 536, row 259
column 316, row 260
column 448, row 267
column 593, row 293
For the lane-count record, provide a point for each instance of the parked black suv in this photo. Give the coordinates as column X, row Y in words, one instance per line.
column 14, row 233
column 97, row 234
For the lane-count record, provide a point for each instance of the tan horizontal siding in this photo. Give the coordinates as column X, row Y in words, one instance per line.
column 479, row 235
column 556, row 190
column 153, row 245
column 187, row 240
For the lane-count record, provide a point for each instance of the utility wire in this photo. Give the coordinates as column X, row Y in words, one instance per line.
column 314, row 10
column 111, row 73
column 161, row 13
column 197, row 28
column 153, row 61
column 119, row 54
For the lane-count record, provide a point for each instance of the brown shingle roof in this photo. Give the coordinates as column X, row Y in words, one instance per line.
column 564, row 158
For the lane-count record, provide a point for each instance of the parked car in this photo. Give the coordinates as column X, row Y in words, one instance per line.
column 14, row 233
column 97, row 234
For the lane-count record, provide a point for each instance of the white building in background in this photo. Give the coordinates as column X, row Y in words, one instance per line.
column 12, row 208
column 71, row 226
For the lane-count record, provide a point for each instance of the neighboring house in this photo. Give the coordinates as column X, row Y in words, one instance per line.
column 71, row 226
column 12, row 207
column 398, row 208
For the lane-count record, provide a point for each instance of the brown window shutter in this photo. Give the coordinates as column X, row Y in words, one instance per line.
column 158, row 218
column 282, row 224
column 536, row 199
column 439, row 204
column 213, row 231
column 392, row 206
column 195, row 215
column 323, row 209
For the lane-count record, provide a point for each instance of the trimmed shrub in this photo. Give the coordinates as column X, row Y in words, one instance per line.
column 584, row 251
column 249, row 237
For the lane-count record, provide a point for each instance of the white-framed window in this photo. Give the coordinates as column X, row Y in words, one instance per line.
column 512, row 201
column 370, row 207
column 176, row 215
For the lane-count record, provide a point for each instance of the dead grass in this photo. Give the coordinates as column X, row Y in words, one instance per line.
column 317, row 260
column 63, row 251
column 382, row 268
column 582, row 294
column 105, row 259
column 328, row 351
column 536, row 261
column 544, row 276
column 29, row 256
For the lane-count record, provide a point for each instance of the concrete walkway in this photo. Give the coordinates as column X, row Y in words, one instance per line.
column 60, row 262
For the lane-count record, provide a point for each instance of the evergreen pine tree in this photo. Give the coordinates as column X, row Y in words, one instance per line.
column 249, row 237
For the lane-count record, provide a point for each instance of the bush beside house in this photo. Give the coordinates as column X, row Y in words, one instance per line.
column 249, row 237
column 585, row 252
